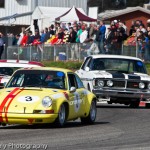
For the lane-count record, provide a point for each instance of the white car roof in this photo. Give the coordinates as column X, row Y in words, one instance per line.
column 19, row 63
column 115, row 56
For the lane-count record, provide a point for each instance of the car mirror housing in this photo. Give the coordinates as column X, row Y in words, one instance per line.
column 87, row 69
column 72, row 89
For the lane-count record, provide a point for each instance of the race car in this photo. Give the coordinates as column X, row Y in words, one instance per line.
column 116, row 79
column 46, row 95
column 7, row 67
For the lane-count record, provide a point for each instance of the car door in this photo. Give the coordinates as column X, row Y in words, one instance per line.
column 84, row 73
column 76, row 97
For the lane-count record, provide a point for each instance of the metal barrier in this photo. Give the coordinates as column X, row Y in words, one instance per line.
column 74, row 51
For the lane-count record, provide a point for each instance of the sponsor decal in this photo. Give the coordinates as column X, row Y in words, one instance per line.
column 77, row 101
column 28, row 99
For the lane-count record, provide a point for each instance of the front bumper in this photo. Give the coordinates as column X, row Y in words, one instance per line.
column 13, row 118
column 130, row 94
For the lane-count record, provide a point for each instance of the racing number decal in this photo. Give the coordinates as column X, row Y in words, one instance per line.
column 28, row 98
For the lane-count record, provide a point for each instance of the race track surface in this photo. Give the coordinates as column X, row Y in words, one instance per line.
column 117, row 127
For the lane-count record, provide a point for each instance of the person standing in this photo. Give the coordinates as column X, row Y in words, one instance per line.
column 1, row 45
column 102, row 29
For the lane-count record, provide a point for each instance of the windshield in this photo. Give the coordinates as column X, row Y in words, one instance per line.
column 120, row 65
column 7, row 70
column 38, row 78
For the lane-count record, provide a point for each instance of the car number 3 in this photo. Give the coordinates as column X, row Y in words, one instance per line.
column 28, row 98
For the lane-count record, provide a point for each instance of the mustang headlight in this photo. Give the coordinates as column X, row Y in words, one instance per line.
column 141, row 85
column 100, row 83
column 47, row 102
column 148, row 86
column 109, row 83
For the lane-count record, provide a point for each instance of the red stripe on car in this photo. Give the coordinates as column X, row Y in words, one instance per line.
column 6, row 110
column 10, row 95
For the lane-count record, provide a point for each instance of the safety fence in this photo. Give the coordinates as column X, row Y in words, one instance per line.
column 64, row 52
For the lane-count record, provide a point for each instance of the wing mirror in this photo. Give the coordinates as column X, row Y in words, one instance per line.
column 87, row 69
column 72, row 89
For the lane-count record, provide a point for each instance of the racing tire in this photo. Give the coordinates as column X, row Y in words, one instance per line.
column 134, row 104
column 90, row 119
column 61, row 119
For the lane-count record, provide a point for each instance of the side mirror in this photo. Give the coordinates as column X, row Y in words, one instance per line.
column 87, row 69
column 72, row 89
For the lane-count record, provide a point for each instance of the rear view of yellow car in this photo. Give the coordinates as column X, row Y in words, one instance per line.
column 46, row 95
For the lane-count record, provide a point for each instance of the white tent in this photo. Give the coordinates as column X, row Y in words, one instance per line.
column 45, row 15
column 75, row 14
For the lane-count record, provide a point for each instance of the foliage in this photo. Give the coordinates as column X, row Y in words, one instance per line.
column 72, row 65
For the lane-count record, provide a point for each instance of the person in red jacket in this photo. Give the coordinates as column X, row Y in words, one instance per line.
column 24, row 39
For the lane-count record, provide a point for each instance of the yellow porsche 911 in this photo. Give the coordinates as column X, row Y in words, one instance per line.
column 46, row 95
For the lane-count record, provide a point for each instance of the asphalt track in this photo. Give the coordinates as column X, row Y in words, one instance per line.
column 117, row 128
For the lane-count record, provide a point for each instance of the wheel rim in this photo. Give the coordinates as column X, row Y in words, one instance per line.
column 93, row 111
column 62, row 114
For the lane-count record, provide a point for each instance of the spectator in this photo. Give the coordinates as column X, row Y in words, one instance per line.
column 1, row 45
column 102, row 29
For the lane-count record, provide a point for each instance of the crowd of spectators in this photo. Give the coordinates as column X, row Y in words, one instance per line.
column 95, row 38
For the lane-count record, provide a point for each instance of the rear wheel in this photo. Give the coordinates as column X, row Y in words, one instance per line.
column 90, row 119
column 61, row 119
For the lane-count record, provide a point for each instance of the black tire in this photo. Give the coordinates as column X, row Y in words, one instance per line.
column 90, row 119
column 61, row 119
column 134, row 104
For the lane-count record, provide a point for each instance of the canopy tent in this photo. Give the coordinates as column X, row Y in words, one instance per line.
column 45, row 15
column 74, row 14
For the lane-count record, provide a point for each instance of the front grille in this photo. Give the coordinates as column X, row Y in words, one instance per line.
column 134, row 85
column 119, row 83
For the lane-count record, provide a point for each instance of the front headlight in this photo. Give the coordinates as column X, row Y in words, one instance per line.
column 109, row 83
column 47, row 102
column 100, row 83
column 141, row 85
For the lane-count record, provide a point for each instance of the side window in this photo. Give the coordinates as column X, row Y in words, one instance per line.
column 86, row 63
column 79, row 82
column 131, row 67
column 72, row 81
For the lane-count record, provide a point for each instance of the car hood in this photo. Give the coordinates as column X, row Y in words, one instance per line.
column 25, row 100
column 118, row 75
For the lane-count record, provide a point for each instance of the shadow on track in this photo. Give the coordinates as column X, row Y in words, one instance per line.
column 51, row 126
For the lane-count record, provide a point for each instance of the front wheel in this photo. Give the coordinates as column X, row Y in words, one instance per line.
column 61, row 119
column 90, row 119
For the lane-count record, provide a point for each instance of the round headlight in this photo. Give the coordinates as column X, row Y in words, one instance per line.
column 141, row 85
column 148, row 86
column 109, row 83
column 47, row 102
column 100, row 83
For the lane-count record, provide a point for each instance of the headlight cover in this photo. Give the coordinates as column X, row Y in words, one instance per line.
column 47, row 101
column 141, row 85
column 109, row 83
column 100, row 83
